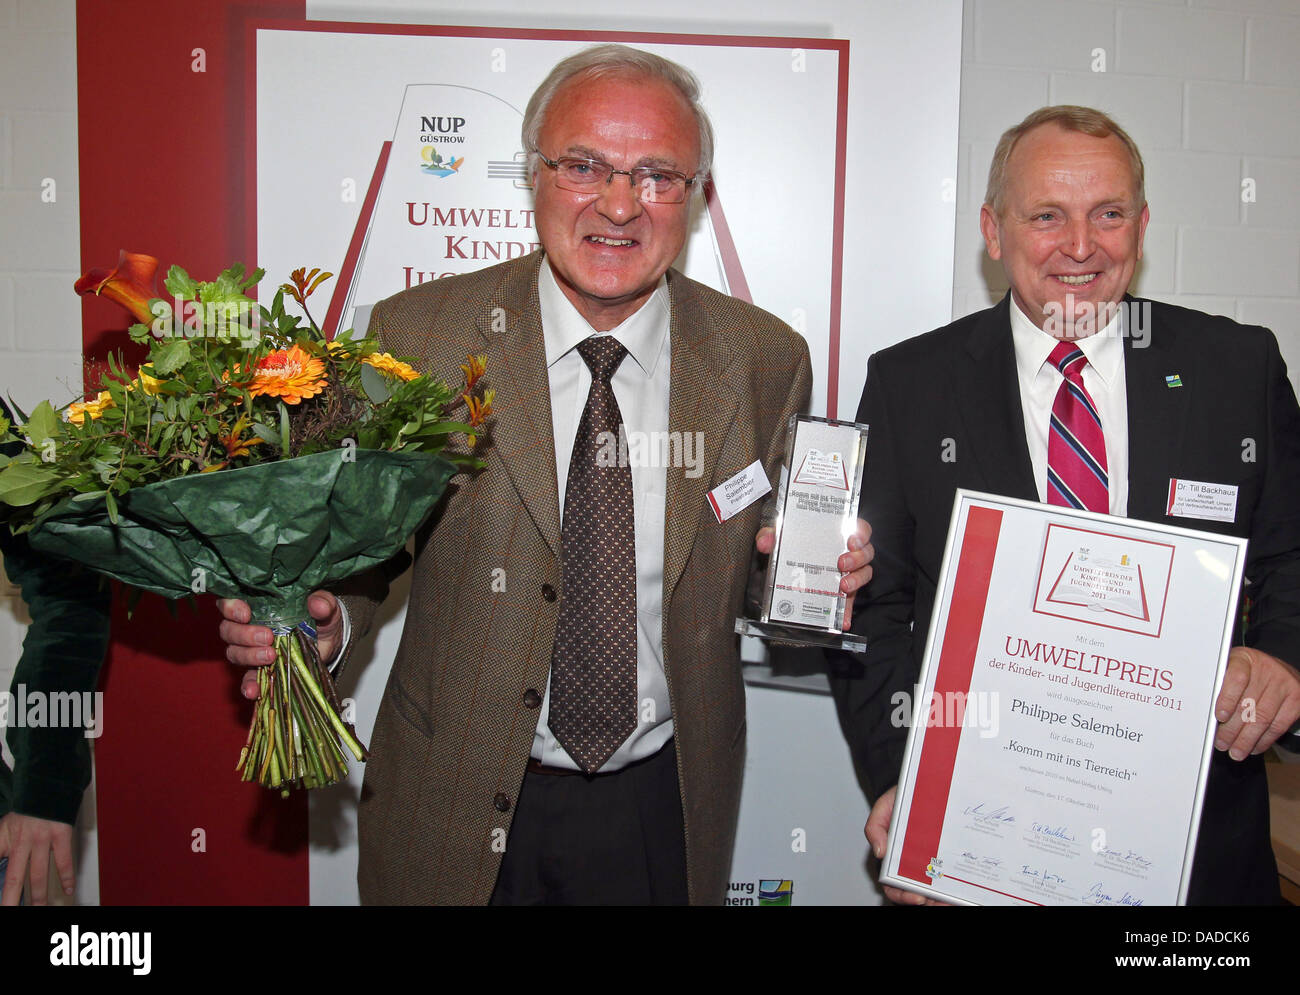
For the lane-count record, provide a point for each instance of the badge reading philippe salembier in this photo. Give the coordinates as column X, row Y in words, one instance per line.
column 738, row 493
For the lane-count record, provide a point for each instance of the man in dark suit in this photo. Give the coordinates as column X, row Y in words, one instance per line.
column 565, row 718
column 1170, row 393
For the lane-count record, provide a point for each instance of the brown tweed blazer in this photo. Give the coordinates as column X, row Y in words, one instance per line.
column 455, row 728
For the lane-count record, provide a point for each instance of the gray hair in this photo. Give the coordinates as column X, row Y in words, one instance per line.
column 1071, row 117
column 605, row 61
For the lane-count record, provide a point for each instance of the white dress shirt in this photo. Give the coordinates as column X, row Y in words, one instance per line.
column 641, row 388
column 1103, row 376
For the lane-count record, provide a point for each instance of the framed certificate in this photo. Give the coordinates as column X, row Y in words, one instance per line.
column 1064, row 726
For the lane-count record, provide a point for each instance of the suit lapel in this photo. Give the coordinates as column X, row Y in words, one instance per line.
column 988, row 395
column 523, row 435
column 699, row 401
column 1156, row 416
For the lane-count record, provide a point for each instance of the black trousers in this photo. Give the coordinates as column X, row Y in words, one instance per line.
column 602, row 839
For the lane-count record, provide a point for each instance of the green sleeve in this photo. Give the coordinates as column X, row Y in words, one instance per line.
column 62, row 652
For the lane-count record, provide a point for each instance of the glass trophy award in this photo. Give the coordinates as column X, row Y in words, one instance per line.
column 816, row 512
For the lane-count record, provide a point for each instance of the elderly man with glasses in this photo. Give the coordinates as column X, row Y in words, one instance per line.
column 565, row 719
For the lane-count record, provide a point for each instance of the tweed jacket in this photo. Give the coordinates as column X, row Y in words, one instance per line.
column 459, row 712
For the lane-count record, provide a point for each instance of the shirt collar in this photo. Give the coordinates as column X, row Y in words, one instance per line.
column 642, row 333
column 1104, row 350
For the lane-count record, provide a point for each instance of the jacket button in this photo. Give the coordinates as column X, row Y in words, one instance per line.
column 531, row 698
column 548, row 592
column 501, row 803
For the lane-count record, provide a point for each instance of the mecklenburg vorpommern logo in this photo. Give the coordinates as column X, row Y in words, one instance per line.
column 438, row 130
column 775, row 892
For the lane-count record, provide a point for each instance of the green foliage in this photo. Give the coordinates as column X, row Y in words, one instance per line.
column 205, row 400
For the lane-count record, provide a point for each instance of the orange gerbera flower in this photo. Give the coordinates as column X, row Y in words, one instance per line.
column 289, row 374
column 385, row 363
column 78, row 410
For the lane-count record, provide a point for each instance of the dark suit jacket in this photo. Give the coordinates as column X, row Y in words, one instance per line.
column 456, row 724
column 62, row 653
column 945, row 412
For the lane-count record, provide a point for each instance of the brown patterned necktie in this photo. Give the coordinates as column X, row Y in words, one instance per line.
column 593, row 667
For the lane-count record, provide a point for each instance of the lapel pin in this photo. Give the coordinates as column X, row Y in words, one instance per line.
column 1173, row 380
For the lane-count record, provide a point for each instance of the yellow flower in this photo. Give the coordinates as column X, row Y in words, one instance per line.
column 149, row 383
column 473, row 367
column 78, row 410
column 334, row 346
column 304, row 283
column 289, row 374
column 236, row 445
column 385, row 363
column 479, row 411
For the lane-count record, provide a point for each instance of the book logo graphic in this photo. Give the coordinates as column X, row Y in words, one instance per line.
column 823, row 469
column 1104, row 579
column 1101, row 585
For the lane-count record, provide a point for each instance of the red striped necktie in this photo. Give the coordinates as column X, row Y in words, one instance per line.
column 1076, row 447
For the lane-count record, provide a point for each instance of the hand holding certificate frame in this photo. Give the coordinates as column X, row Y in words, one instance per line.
column 1059, row 749
column 816, row 512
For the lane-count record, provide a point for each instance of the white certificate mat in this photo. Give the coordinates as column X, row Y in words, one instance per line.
column 1060, row 744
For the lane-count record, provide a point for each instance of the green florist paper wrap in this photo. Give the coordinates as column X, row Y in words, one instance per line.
column 270, row 534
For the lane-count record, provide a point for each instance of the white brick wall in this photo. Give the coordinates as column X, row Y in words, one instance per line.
column 1209, row 89
column 40, row 317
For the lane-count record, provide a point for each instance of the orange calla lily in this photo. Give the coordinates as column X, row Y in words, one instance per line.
column 132, row 283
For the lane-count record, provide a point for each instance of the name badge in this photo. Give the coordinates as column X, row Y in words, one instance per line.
column 738, row 493
column 1199, row 499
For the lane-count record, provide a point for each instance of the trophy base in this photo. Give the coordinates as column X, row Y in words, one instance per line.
column 796, row 635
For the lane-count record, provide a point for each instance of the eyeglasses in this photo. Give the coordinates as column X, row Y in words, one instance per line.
column 650, row 184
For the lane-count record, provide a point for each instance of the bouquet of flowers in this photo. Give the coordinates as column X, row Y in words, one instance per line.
column 245, row 457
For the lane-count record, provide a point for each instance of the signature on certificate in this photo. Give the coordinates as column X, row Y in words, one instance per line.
column 1057, row 832
column 1130, row 857
column 979, row 813
column 1041, row 874
column 1098, row 895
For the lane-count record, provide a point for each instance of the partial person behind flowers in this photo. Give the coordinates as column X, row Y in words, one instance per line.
column 62, row 653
